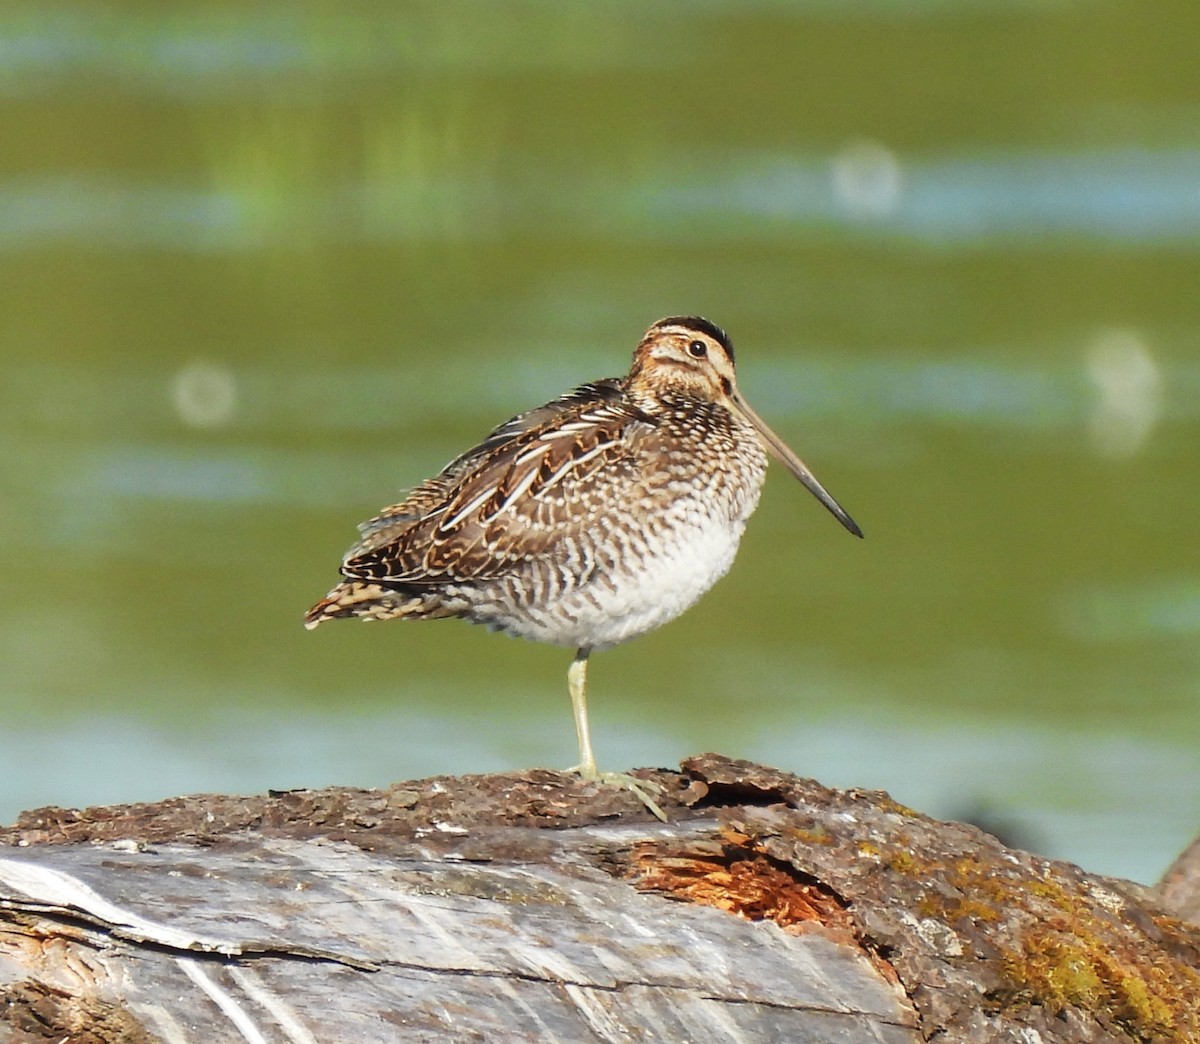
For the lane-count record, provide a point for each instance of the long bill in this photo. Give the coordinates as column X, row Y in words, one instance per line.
column 793, row 463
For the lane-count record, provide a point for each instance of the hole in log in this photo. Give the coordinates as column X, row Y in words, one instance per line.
column 739, row 879
column 730, row 795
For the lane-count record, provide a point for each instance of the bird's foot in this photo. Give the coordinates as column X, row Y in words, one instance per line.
column 642, row 789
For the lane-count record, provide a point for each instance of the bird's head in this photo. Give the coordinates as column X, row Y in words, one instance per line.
column 685, row 355
column 690, row 356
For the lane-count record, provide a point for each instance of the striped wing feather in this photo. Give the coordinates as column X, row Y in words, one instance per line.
column 513, row 497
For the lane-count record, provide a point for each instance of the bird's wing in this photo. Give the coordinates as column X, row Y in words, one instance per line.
column 434, row 494
column 532, row 484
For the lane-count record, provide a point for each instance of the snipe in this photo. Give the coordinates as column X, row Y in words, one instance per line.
column 587, row 521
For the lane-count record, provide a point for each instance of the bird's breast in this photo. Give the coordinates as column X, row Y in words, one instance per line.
column 637, row 567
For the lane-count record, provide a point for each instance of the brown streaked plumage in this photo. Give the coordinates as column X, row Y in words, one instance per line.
column 587, row 521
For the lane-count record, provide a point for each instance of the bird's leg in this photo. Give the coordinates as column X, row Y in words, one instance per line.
column 640, row 788
column 577, row 683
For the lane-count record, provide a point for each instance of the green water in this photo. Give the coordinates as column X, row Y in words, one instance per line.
column 263, row 267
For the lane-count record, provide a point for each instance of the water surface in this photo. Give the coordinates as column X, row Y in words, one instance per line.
column 262, row 269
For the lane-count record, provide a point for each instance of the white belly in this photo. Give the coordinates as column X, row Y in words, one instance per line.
column 620, row 573
column 618, row 604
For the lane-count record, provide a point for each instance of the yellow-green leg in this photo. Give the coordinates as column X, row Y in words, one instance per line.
column 577, row 683
column 640, row 788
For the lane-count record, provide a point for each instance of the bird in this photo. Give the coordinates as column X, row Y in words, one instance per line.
column 588, row 521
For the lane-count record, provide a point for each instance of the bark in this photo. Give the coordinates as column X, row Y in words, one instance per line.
column 538, row 907
column 1180, row 887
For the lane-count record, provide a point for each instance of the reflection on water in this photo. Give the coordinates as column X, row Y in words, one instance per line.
column 1135, row 613
column 261, row 267
column 1143, row 197
column 1129, row 387
column 204, row 394
column 1139, row 196
column 868, row 180
column 1115, row 399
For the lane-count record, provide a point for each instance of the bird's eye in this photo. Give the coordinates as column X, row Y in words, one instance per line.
column 698, row 349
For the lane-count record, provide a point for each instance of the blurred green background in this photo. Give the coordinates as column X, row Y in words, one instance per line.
column 263, row 266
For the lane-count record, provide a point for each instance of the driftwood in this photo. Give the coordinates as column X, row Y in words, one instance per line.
column 540, row 908
column 1179, row 889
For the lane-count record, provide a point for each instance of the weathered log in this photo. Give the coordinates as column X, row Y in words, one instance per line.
column 538, row 907
column 1179, row 888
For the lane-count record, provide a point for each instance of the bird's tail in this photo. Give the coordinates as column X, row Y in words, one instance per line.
column 369, row 601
